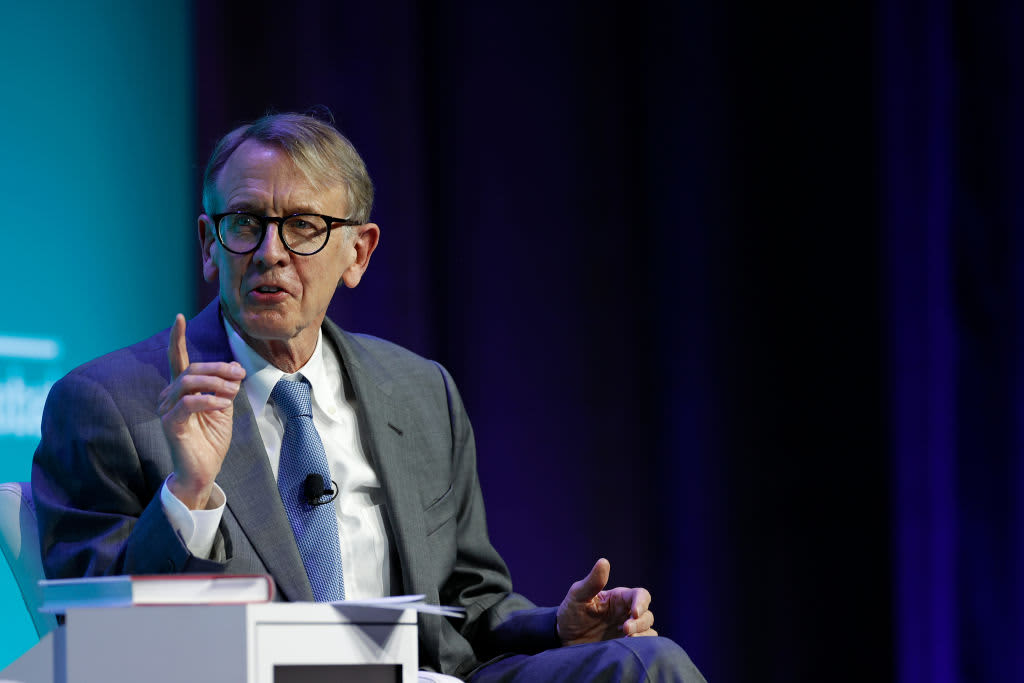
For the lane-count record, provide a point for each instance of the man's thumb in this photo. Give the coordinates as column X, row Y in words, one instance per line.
column 593, row 583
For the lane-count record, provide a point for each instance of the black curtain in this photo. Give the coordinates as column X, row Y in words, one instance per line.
column 954, row 105
column 729, row 289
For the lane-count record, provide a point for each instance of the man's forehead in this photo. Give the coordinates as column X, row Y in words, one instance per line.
column 257, row 161
column 259, row 175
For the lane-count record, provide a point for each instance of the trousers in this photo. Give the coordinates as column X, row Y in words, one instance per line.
column 650, row 659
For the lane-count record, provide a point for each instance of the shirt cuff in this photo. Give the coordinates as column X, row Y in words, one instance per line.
column 197, row 529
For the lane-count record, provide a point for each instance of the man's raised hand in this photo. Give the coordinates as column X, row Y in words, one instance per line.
column 589, row 613
column 196, row 411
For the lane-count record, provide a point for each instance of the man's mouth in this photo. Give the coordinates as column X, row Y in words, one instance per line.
column 268, row 294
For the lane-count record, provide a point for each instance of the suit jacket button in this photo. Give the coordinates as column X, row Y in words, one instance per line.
column 170, row 565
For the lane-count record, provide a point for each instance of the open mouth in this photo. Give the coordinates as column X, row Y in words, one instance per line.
column 268, row 294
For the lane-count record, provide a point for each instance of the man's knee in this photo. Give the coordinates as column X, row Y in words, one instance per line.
column 659, row 659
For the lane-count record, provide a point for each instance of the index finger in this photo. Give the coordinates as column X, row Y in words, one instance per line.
column 177, row 354
column 641, row 601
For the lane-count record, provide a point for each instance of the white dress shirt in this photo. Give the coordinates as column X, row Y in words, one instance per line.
column 365, row 549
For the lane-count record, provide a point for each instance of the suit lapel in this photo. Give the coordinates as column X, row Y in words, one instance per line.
column 246, row 477
column 387, row 432
column 253, row 499
column 385, row 427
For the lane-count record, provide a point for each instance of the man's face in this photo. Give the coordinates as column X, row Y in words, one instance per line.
column 275, row 299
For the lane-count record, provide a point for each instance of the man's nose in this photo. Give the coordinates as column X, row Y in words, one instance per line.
column 272, row 249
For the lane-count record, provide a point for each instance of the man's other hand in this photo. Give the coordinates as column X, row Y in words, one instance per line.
column 590, row 613
column 196, row 411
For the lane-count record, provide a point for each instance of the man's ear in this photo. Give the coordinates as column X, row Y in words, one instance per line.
column 364, row 242
column 207, row 244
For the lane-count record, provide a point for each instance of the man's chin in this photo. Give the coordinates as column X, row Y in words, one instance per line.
column 265, row 330
column 262, row 325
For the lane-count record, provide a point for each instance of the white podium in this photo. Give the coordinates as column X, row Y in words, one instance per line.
column 250, row 643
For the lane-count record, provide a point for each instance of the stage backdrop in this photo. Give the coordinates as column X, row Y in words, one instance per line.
column 96, row 184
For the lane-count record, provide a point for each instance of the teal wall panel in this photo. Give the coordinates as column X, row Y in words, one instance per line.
column 98, row 231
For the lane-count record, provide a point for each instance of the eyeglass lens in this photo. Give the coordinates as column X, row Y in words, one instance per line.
column 303, row 234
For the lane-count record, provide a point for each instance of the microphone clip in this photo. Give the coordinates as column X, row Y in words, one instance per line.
column 313, row 489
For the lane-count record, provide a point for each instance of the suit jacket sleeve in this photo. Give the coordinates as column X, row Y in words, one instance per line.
column 95, row 477
column 498, row 621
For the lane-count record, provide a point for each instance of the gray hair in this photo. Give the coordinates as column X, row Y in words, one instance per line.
column 324, row 156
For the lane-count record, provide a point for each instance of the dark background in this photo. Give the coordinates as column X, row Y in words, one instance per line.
column 730, row 289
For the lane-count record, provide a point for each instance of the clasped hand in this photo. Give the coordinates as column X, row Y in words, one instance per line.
column 196, row 411
column 589, row 613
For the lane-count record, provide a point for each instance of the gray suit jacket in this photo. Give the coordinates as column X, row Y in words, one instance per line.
column 103, row 457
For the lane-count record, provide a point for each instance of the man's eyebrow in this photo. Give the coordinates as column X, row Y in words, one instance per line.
column 303, row 208
column 249, row 207
column 242, row 206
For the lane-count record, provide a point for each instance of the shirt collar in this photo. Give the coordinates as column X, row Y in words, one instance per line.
column 261, row 376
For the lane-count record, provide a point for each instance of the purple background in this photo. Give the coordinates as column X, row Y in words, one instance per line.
column 731, row 290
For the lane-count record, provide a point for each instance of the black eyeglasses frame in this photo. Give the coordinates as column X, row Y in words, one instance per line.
column 331, row 221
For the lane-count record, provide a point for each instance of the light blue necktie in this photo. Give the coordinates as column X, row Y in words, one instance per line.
column 315, row 526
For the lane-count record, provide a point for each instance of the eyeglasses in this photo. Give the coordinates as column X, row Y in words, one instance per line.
column 301, row 233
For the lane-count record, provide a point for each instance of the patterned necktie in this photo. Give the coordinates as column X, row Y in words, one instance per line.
column 315, row 526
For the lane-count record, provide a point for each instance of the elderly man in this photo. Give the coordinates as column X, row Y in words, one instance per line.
column 261, row 438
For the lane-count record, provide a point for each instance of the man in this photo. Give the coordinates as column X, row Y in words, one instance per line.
column 260, row 438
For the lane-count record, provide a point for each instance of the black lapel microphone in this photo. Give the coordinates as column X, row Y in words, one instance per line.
column 313, row 489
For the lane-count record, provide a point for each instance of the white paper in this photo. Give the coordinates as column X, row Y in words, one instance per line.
column 401, row 602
